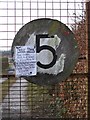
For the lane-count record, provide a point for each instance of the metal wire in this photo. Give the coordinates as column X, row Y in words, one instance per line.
column 66, row 100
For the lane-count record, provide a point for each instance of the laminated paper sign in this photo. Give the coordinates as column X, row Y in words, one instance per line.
column 25, row 61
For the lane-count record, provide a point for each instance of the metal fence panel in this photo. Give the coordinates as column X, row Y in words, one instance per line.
column 23, row 100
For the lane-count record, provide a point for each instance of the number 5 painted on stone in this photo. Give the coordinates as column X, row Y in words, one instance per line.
column 43, row 47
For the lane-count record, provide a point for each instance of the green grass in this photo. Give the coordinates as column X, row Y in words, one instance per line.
column 37, row 94
column 9, row 82
column 6, row 86
column 42, row 104
column 5, row 65
column 37, row 97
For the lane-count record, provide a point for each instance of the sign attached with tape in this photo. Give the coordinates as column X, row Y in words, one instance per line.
column 25, row 61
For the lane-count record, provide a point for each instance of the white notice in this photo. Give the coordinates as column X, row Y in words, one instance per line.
column 25, row 61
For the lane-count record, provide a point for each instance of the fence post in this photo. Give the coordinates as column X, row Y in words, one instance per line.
column 88, row 38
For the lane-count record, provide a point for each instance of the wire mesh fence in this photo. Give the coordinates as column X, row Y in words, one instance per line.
column 23, row 100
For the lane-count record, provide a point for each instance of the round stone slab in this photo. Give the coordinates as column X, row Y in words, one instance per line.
column 56, row 50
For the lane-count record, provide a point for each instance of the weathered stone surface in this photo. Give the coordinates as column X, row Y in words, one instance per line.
column 63, row 42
